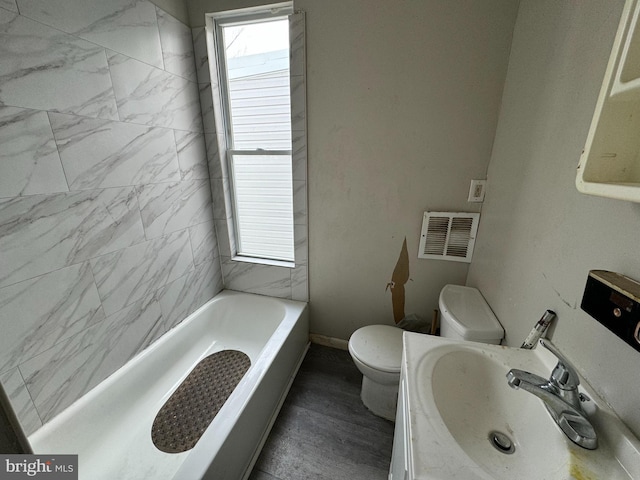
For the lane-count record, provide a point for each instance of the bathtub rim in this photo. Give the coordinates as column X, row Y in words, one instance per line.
column 150, row 351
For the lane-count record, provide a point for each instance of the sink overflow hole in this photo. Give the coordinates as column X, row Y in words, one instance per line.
column 501, row 442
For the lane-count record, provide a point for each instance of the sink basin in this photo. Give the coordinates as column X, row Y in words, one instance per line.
column 473, row 399
column 466, row 422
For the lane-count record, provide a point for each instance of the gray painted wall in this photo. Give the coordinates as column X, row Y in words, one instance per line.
column 403, row 100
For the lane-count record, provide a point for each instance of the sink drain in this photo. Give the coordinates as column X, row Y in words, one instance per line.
column 501, row 442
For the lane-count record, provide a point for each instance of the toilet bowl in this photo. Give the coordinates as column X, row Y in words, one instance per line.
column 377, row 349
column 377, row 352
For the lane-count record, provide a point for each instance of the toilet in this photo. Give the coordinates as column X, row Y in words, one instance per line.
column 377, row 349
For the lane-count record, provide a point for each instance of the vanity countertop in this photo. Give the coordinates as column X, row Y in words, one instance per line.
column 454, row 393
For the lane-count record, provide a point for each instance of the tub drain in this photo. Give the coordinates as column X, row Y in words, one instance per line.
column 501, row 442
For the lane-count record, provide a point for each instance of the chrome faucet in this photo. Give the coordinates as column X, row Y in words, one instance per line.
column 561, row 397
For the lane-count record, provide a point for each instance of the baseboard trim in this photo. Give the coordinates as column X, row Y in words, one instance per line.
column 329, row 341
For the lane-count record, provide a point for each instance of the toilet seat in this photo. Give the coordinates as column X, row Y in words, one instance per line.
column 378, row 346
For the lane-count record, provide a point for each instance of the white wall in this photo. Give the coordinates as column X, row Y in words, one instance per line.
column 538, row 236
column 403, row 100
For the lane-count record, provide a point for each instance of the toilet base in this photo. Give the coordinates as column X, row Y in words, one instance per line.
column 380, row 399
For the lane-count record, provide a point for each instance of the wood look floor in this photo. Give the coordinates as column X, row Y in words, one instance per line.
column 323, row 430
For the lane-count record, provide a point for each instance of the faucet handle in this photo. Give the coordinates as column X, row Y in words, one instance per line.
column 564, row 375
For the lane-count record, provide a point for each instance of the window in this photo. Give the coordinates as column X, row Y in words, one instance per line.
column 253, row 66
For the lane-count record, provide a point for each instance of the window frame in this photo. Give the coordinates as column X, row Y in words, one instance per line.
column 218, row 21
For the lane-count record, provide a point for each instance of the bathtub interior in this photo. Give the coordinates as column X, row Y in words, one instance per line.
column 109, row 428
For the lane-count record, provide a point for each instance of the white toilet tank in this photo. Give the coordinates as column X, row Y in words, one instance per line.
column 465, row 315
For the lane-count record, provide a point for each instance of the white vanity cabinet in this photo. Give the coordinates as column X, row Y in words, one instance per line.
column 610, row 163
column 400, row 462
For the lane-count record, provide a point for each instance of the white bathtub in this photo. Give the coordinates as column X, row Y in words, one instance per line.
column 110, row 427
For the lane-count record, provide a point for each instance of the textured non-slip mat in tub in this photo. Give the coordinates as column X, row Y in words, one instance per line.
column 186, row 415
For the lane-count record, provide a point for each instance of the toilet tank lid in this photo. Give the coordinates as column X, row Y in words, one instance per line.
column 469, row 314
column 379, row 346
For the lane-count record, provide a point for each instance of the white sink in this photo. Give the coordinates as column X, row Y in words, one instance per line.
column 457, row 395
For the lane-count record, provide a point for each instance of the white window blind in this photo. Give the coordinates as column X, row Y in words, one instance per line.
column 264, row 205
column 258, row 116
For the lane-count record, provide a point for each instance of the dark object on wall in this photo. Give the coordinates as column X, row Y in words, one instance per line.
column 614, row 301
column 12, row 437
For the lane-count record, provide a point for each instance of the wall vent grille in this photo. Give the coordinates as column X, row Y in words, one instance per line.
column 448, row 236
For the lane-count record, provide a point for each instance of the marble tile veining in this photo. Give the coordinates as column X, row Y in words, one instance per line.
column 177, row 46
column 299, row 154
column 299, row 284
column 220, row 190
column 203, row 242
column 222, row 235
column 40, row 312
column 100, row 129
column 192, row 155
column 125, row 26
column 300, row 274
column 301, row 252
column 130, row 274
column 199, row 35
column 46, row 69
column 21, row 401
column 154, row 97
column 29, row 161
column 41, row 233
column 185, row 295
column 102, row 153
column 298, row 103
column 9, row 5
column 96, row 274
column 297, row 43
column 217, row 107
column 68, row 370
column 299, row 202
column 206, row 106
column 222, row 210
column 168, row 207
column 257, row 278
column 216, row 168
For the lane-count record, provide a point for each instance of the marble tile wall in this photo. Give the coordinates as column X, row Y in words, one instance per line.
column 107, row 232
column 257, row 278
